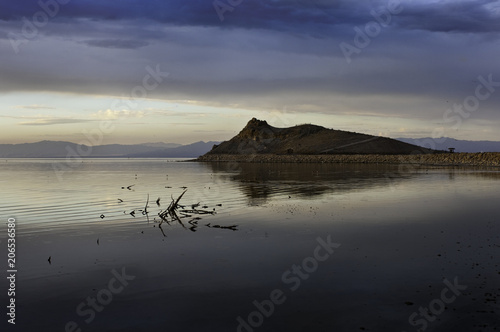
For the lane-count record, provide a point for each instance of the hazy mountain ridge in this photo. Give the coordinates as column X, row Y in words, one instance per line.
column 161, row 145
column 61, row 149
column 185, row 151
column 443, row 143
column 246, row 143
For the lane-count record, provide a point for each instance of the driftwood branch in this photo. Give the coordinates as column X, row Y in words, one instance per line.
column 171, row 211
column 146, row 209
column 175, row 212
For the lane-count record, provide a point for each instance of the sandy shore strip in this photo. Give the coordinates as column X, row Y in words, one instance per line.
column 489, row 159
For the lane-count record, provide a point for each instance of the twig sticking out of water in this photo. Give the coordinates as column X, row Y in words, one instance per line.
column 176, row 211
column 171, row 211
column 197, row 211
column 233, row 227
column 146, row 209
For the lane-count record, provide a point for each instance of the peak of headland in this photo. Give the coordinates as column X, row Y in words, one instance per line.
column 258, row 137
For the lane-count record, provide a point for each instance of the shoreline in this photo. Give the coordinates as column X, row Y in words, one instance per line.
column 486, row 159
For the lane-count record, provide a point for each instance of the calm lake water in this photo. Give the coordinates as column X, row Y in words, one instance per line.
column 314, row 247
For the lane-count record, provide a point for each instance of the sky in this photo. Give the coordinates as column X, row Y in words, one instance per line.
column 137, row 71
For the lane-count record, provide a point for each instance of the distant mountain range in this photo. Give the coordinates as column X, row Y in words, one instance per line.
column 345, row 142
column 444, row 143
column 58, row 149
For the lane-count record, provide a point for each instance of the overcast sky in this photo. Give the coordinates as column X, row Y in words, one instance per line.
column 189, row 70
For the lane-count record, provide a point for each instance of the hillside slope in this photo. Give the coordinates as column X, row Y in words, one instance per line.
column 258, row 137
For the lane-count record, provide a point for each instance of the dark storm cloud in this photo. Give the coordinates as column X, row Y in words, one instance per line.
column 316, row 18
column 264, row 53
column 250, row 14
column 474, row 16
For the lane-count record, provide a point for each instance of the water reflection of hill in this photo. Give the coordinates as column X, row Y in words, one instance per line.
column 260, row 181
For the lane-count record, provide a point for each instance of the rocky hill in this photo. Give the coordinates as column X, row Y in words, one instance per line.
column 258, row 137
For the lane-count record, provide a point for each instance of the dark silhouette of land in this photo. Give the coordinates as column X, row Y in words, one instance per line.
column 259, row 142
column 258, row 137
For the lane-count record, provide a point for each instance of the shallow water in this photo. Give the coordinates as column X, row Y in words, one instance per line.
column 398, row 233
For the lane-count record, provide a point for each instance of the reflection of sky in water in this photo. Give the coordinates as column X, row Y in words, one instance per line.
column 400, row 235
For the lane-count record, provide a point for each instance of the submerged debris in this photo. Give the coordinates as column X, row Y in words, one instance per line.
column 145, row 211
column 186, row 216
column 176, row 212
column 233, row 227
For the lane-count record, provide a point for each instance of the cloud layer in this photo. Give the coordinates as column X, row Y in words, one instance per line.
column 263, row 55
